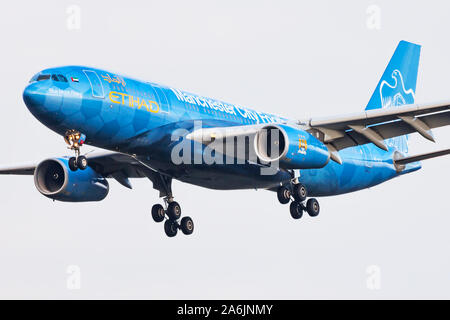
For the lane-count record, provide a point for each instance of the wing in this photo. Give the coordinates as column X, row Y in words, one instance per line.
column 19, row 170
column 376, row 125
column 114, row 165
column 106, row 163
column 423, row 156
column 209, row 135
column 219, row 138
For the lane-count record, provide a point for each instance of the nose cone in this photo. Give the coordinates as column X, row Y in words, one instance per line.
column 34, row 98
column 44, row 103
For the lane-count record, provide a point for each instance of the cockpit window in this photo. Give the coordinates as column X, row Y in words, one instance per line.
column 54, row 77
column 43, row 77
column 59, row 77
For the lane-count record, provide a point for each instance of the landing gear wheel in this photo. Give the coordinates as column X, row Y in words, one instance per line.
column 284, row 195
column 171, row 228
column 82, row 162
column 296, row 209
column 75, row 140
column 174, row 210
column 300, row 193
column 73, row 164
column 158, row 213
column 312, row 207
column 187, row 225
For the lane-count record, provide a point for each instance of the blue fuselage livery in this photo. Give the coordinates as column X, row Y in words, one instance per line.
column 164, row 133
column 137, row 117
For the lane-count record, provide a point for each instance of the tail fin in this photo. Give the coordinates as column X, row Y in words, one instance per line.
column 397, row 86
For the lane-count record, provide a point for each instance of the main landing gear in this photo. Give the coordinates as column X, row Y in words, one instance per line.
column 172, row 212
column 298, row 194
column 75, row 140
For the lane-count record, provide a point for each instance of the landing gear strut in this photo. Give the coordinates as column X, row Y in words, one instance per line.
column 173, row 214
column 299, row 194
column 75, row 140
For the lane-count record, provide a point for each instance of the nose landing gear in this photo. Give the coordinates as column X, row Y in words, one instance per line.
column 299, row 194
column 75, row 140
column 173, row 214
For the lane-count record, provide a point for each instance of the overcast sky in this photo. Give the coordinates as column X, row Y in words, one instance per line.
column 297, row 59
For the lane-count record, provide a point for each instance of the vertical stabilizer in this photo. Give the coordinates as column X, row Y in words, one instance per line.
column 397, row 86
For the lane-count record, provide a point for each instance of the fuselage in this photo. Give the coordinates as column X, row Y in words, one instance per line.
column 123, row 114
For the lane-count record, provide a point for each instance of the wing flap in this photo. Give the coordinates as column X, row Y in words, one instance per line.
column 121, row 167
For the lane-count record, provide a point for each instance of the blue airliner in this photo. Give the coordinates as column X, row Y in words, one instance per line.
column 147, row 130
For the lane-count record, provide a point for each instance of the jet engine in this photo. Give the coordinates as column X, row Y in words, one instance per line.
column 55, row 180
column 292, row 148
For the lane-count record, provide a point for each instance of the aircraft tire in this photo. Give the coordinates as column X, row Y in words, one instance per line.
column 296, row 209
column 73, row 164
column 300, row 193
column 158, row 213
column 82, row 162
column 313, row 207
column 187, row 225
column 171, row 228
column 284, row 195
column 174, row 211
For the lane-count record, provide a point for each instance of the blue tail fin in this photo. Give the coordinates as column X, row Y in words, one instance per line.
column 397, row 86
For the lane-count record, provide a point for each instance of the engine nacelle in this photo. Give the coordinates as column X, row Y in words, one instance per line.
column 293, row 148
column 55, row 180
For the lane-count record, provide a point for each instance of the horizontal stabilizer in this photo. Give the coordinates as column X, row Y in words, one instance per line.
column 423, row 156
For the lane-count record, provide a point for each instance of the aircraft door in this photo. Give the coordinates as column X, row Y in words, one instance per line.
column 162, row 99
column 96, row 84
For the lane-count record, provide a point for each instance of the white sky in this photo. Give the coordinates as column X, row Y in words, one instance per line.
column 297, row 59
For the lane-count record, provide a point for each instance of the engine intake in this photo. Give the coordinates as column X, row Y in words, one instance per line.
column 55, row 180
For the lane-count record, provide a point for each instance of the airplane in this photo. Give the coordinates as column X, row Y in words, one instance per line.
column 148, row 130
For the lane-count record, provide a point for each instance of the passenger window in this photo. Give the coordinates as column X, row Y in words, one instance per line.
column 54, row 77
column 62, row 78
